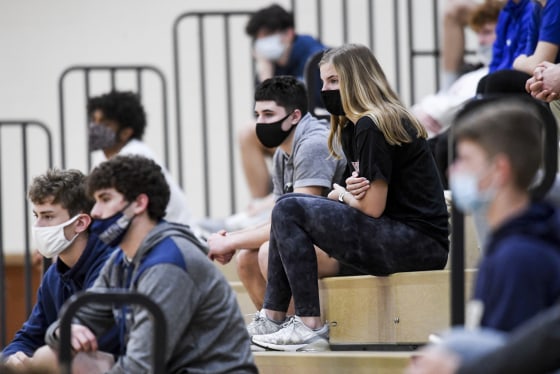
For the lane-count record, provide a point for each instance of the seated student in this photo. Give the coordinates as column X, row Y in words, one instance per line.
column 301, row 164
column 512, row 33
column 397, row 224
column 521, row 265
column 436, row 112
column 62, row 229
column 518, row 274
column 277, row 50
column 546, row 30
column 164, row 261
column 543, row 34
column 118, row 125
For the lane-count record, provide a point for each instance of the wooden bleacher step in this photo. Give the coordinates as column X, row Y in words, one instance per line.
column 403, row 308
column 332, row 362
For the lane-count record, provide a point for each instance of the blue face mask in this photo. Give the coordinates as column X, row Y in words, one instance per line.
column 466, row 194
column 111, row 230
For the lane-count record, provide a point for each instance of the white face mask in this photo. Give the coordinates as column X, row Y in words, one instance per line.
column 484, row 54
column 50, row 240
column 270, row 47
column 466, row 194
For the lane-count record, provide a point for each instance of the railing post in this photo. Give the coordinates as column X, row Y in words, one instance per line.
column 112, row 297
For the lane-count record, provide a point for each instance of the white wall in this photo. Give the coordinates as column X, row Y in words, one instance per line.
column 40, row 38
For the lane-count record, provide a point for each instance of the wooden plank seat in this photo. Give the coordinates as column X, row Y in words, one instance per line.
column 403, row 308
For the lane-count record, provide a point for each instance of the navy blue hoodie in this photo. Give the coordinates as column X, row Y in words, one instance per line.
column 519, row 274
column 58, row 284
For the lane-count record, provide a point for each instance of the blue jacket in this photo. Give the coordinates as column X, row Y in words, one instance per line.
column 519, row 275
column 58, row 284
column 303, row 48
column 512, row 33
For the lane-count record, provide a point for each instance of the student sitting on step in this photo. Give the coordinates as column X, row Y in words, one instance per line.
column 392, row 218
column 301, row 164
column 519, row 274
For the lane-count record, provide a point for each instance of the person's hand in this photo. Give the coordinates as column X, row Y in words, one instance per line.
column 545, row 82
column 82, row 339
column 357, row 186
column 335, row 192
column 433, row 360
column 219, row 248
column 18, row 360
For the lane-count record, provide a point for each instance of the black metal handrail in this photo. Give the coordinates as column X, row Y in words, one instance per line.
column 24, row 125
column 113, row 70
column 200, row 16
column 74, row 303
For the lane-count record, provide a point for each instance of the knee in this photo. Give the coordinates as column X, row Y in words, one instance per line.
column 284, row 206
column 247, row 262
column 45, row 358
column 263, row 260
column 247, row 136
column 458, row 10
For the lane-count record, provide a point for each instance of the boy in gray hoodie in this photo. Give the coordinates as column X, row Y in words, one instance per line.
column 205, row 330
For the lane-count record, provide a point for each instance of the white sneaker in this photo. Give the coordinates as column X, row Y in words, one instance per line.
column 262, row 325
column 295, row 336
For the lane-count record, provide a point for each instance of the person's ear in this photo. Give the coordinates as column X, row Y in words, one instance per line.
column 125, row 134
column 504, row 172
column 82, row 223
column 141, row 204
column 296, row 116
column 290, row 34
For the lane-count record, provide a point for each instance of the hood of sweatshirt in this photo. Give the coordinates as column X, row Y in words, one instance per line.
column 165, row 230
column 541, row 220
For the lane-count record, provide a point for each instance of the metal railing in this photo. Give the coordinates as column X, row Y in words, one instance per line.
column 112, row 72
column 404, row 22
column 23, row 127
column 75, row 302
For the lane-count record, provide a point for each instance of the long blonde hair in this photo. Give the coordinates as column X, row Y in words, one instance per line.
column 364, row 91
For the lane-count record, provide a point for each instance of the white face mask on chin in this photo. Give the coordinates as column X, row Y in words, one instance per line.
column 484, row 54
column 270, row 47
column 50, row 240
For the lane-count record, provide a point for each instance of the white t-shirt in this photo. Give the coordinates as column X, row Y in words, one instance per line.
column 177, row 209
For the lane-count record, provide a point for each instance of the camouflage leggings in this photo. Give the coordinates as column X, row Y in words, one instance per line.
column 377, row 246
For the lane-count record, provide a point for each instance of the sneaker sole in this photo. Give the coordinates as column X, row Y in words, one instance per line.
column 256, row 348
column 319, row 345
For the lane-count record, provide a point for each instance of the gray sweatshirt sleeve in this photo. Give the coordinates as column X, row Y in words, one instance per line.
column 533, row 348
column 172, row 289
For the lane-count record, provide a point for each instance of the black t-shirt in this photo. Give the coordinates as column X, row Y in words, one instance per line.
column 415, row 193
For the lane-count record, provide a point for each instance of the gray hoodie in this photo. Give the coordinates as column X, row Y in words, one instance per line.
column 205, row 330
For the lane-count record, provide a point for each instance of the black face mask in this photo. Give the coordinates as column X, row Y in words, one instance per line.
column 333, row 102
column 271, row 134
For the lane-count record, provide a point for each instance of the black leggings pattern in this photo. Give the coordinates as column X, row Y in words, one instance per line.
column 376, row 246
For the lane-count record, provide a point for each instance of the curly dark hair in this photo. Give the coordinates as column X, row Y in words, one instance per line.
column 124, row 107
column 65, row 187
column 286, row 91
column 132, row 176
column 273, row 18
